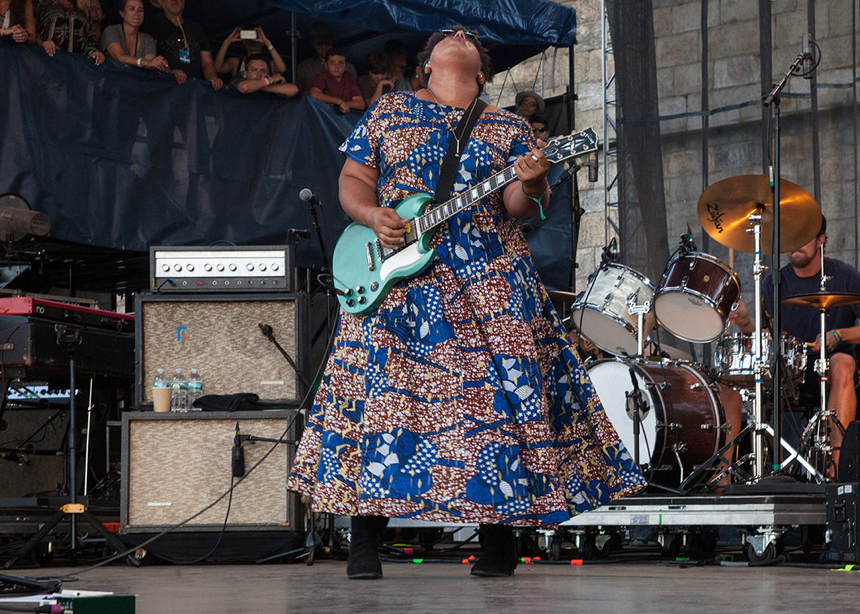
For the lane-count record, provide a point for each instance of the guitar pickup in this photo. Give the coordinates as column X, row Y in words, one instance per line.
column 371, row 262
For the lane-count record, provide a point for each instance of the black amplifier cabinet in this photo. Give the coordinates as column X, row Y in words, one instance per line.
column 29, row 349
column 222, row 269
column 220, row 335
column 842, row 521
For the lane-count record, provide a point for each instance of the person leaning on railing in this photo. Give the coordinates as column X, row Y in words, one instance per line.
column 64, row 25
column 16, row 21
column 125, row 42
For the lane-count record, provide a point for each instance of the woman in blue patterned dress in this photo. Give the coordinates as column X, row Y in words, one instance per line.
column 461, row 398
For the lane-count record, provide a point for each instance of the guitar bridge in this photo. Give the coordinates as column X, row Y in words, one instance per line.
column 371, row 262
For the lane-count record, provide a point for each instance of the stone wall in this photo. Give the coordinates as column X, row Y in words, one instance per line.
column 735, row 136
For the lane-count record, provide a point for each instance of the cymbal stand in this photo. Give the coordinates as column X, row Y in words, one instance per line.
column 758, row 368
column 635, row 396
column 817, row 432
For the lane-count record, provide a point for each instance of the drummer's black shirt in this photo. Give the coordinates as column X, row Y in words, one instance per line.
column 803, row 322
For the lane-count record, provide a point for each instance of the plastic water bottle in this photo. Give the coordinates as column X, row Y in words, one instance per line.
column 179, row 396
column 195, row 389
column 160, row 380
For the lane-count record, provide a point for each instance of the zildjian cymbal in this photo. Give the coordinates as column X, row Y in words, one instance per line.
column 725, row 208
column 822, row 300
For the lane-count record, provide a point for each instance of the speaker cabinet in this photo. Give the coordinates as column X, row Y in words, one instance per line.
column 843, row 521
column 220, row 336
column 849, row 456
column 176, row 464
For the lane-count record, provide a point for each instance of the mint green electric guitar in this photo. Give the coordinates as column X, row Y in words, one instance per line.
column 364, row 270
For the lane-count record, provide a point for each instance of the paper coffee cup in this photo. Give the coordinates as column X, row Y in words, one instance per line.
column 161, row 399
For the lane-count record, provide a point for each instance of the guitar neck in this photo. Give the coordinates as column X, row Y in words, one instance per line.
column 445, row 211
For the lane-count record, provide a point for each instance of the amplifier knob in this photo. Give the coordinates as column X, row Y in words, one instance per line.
column 220, row 267
column 177, row 267
column 207, row 267
column 249, row 266
column 232, row 267
column 275, row 267
column 262, row 282
column 262, row 267
column 165, row 267
column 189, row 267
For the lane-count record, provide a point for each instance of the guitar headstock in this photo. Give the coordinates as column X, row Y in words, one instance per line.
column 576, row 144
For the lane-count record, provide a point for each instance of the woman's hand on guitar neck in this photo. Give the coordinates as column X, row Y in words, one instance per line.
column 388, row 227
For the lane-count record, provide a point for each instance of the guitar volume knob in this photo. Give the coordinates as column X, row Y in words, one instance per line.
column 347, row 292
column 359, row 289
column 362, row 300
column 350, row 302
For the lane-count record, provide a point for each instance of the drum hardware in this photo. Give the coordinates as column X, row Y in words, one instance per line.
column 817, row 432
column 723, row 427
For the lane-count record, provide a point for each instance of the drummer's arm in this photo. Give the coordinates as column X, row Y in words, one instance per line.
column 838, row 336
column 740, row 317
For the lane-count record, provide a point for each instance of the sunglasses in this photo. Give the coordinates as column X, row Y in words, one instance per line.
column 472, row 37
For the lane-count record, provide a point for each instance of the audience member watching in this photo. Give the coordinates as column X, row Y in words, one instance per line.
column 540, row 129
column 306, row 71
column 97, row 16
column 183, row 44
column 235, row 66
column 335, row 85
column 16, row 21
column 124, row 42
column 397, row 53
column 257, row 79
column 61, row 24
column 375, row 83
column 528, row 103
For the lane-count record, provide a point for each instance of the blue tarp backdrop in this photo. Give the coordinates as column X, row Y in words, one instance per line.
column 122, row 158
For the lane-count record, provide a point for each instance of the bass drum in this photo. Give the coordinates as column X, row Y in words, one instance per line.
column 679, row 423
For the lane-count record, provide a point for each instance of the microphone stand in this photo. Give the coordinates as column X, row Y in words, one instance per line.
column 772, row 99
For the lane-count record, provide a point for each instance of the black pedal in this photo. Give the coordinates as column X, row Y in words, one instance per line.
column 843, row 521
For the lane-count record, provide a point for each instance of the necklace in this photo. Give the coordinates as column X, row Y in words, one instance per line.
column 463, row 121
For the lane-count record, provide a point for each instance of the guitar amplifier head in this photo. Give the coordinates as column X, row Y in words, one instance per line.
column 221, row 337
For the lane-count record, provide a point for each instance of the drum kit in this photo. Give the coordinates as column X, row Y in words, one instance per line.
column 673, row 408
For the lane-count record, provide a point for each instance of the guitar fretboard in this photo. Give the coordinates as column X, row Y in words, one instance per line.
column 439, row 214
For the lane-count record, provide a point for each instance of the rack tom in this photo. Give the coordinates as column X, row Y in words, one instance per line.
column 695, row 296
column 601, row 312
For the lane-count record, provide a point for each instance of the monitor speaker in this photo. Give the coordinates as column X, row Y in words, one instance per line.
column 176, row 464
column 849, row 454
column 221, row 337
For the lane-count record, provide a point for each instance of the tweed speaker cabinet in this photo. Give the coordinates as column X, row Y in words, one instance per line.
column 220, row 336
column 175, row 464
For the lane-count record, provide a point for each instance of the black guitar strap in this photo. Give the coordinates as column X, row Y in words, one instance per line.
column 448, row 170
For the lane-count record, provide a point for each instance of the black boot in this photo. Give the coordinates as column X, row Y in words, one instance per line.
column 500, row 552
column 363, row 563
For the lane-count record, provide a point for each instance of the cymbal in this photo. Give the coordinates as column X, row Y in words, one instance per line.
column 822, row 300
column 725, row 207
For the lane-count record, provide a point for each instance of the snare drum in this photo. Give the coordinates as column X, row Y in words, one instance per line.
column 695, row 296
column 601, row 313
column 734, row 358
column 681, row 420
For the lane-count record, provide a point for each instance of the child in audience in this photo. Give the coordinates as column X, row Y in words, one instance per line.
column 335, row 85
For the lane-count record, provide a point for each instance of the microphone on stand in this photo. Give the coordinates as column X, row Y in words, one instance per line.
column 592, row 167
column 608, row 254
column 688, row 245
column 238, row 455
column 303, row 233
column 808, row 57
column 309, row 197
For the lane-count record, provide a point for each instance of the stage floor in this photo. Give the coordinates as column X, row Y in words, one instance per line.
column 613, row 586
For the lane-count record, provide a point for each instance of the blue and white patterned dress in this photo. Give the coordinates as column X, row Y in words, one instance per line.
column 461, row 398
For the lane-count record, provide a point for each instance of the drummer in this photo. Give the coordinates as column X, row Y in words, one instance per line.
column 803, row 276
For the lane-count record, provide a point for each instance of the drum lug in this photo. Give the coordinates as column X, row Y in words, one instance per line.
column 672, row 426
column 693, row 262
column 684, row 282
column 726, row 426
column 696, row 386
